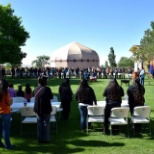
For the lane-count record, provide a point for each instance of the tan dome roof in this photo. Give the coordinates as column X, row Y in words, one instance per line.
column 76, row 51
column 75, row 54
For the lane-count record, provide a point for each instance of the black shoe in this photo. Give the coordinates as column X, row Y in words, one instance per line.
column 10, row 148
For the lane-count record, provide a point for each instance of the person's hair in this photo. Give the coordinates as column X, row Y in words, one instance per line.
column 10, row 85
column 114, row 88
column 138, row 85
column 83, row 89
column 28, row 90
column 20, row 87
column 42, row 80
column 66, row 82
column 3, row 88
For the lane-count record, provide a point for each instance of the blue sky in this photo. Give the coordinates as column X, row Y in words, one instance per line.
column 97, row 24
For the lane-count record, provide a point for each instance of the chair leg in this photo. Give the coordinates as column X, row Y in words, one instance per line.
column 87, row 127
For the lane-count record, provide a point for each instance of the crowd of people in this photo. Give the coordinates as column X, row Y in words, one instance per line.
column 85, row 96
column 34, row 72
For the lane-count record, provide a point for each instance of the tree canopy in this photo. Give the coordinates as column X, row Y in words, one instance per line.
column 126, row 62
column 146, row 50
column 12, row 36
column 112, row 58
column 41, row 61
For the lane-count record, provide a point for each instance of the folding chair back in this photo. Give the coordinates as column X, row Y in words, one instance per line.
column 95, row 110
column 121, row 112
column 143, row 111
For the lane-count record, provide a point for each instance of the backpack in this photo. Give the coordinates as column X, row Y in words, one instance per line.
column 138, row 96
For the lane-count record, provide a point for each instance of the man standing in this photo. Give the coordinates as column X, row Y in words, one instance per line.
column 142, row 76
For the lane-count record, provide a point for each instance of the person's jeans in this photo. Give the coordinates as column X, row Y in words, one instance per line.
column 43, row 128
column 5, row 122
column 142, row 81
column 83, row 116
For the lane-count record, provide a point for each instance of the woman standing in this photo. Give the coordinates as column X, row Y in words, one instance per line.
column 113, row 93
column 28, row 92
column 5, row 115
column 85, row 96
column 43, row 108
column 66, row 93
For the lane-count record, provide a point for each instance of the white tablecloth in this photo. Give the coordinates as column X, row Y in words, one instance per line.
column 123, row 104
column 19, row 105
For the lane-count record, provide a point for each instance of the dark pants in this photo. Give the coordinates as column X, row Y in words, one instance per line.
column 107, row 113
column 66, row 105
column 131, row 107
column 43, row 128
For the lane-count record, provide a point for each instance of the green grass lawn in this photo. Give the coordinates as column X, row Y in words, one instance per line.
column 70, row 139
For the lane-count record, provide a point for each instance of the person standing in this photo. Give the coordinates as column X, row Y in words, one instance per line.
column 43, row 108
column 20, row 92
column 66, row 93
column 5, row 115
column 113, row 93
column 11, row 90
column 85, row 96
column 135, row 94
column 136, row 98
column 142, row 76
column 28, row 92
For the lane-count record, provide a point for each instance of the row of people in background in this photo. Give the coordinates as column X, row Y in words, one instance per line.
column 27, row 93
column 34, row 72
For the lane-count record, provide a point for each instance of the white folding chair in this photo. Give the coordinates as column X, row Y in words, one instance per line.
column 53, row 117
column 28, row 116
column 119, row 116
column 141, row 115
column 95, row 115
column 18, row 99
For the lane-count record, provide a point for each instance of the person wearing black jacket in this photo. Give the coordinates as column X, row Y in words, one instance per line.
column 131, row 94
column 113, row 93
column 85, row 96
column 43, row 108
column 66, row 93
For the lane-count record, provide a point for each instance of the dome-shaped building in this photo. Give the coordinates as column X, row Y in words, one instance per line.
column 75, row 55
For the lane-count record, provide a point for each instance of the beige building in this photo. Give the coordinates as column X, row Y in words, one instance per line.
column 75, row 55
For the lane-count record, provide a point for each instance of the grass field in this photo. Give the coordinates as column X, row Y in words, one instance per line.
column 69, row 139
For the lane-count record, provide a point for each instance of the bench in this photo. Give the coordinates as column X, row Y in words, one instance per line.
column 126, row 81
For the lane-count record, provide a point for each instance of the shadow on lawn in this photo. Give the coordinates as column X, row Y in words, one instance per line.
column 94, row 143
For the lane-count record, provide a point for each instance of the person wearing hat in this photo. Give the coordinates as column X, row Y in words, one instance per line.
column 113, row 93
column 43, row 108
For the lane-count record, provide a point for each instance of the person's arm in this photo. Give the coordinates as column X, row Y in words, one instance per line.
column 9, row 101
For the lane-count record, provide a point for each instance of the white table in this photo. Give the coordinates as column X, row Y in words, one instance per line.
column 123, row 104
column 18, row 105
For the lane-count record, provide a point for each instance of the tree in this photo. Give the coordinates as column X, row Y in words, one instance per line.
column 106, row 64
column 112, row 58
column 126, row 62
column 41, row 61
column 12, row 37
column 146, row 50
